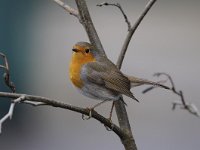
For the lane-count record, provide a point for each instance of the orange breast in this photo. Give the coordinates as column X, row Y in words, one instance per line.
column 74, row 73
column 77, row 62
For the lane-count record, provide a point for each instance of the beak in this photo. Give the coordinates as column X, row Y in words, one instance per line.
column 75, row 50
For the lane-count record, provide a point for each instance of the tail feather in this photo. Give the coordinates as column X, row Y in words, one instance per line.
column 133, row 97
column 137, row 82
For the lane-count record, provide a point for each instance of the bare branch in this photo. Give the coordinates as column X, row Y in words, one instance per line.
column 69, row 9
column 132, row 31
column 11, row 85
column 120, row 108
column 5, row 61
column 124, row 124
column 7, row 116
column 3, row 67
column 153, row 87
column 120, row 8
column 11, row 110
column 34, row 103
column 190, row 107
column 7, row 80
column 168, row 77
column 54, row 103
column 87, row 23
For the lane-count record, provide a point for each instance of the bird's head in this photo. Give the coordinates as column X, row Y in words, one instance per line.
column 84, row 52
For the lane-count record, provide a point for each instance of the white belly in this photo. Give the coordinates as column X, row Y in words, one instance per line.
column 100, row 93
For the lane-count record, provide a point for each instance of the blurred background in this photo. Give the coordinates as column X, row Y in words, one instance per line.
column 37, row 37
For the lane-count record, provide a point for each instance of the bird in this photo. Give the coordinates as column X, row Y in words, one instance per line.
column 97, row 77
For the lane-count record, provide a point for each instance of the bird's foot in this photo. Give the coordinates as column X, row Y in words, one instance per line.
column 84, row 117
column 111, row 126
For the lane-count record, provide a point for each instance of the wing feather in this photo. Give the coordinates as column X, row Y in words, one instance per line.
column 110, row 77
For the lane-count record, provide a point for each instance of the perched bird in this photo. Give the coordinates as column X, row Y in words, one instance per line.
column 95, row 76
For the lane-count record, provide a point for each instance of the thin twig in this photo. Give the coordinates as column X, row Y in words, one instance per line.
column 34, row 103
column 132, row 31
column 11, row 85
column 7, row 116
column 11, row 110
column 6, row 75
column 120, row 8
column 168, row 77
column 5, row 61
column 190, row 107
column 69, row 9
column 153, row 87
column 3, row 67
column 54, row 103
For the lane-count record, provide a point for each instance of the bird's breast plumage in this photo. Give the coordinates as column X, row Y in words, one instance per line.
column 75, row 76
column 75, row 68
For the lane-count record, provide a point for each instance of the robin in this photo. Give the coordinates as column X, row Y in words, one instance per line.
column 95, row 76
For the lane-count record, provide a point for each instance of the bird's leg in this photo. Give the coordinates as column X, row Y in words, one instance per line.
column 111, row 111
column 91, row 109
column 110, row 116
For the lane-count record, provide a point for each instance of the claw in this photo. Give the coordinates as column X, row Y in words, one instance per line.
column 90, row 109
column 84, row 117
column 108, row 128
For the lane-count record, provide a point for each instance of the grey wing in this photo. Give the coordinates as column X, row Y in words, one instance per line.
column 116, row 81
column 92, row 75
column 112, row 79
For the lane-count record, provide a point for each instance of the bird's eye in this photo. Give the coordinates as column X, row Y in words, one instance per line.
column 87, row 50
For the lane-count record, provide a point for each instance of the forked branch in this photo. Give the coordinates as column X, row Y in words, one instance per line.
column 132, row 31
column 34, row 100
column 190, row 107
column 6, row 75
column 120, row 8
column 10, row 85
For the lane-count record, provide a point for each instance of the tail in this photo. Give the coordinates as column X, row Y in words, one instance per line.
column 133, row 97
column 121, row 99
column 137, row 82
